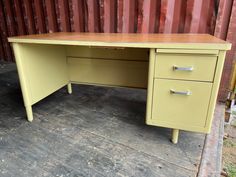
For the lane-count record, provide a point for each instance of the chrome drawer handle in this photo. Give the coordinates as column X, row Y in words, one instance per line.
column 176, row 68
column 180, row 92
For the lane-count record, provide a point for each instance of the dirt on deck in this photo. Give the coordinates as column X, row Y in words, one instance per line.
column 229, row 150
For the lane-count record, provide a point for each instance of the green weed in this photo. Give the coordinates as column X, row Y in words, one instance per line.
column 229, row 143
column 231, row 170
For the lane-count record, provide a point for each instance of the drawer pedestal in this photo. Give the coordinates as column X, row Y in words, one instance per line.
column 184, row 89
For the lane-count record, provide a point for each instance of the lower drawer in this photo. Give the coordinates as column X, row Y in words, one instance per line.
column 180, row 104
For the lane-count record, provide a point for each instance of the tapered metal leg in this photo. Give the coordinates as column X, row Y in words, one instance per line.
column 29, row 113
column 69, row 88
column 175, row 136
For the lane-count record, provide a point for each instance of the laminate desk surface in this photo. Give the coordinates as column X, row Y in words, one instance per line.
column 200, row 41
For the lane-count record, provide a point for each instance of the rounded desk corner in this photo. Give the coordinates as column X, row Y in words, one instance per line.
column 207, row 130
column 148, row 121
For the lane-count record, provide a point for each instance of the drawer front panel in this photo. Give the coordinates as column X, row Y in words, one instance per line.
column 179, row 104
column 185, row 66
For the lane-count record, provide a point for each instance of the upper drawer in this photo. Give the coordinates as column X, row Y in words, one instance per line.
column 186, row 66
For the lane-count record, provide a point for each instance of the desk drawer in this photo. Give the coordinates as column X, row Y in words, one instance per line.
column 200, row 67
column 180, row 104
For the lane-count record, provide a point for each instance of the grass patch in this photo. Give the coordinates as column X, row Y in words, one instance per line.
column 231, row 170
column 229, row 143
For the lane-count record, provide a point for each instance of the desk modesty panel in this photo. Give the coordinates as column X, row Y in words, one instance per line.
column 181, row 72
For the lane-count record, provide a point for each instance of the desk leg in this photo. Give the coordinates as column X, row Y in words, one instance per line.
column 29, row 113
column 69, row 88
column 23, row 81
column 175, row 136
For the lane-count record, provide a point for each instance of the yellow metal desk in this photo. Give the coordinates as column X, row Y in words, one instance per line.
column 180, row 71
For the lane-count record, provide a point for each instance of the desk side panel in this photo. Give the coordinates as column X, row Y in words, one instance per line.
column 43, row 68
column 151, row 72
column 215, row 89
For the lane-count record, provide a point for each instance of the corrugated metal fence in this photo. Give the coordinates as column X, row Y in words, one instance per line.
column 19, row 17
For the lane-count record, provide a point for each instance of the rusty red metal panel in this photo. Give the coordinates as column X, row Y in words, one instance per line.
column 163, row 11
column 78, row 15
column 211, row 21
column 223, row 18
column 64, row 15
column 58, row 20
column 129, row 7
column 101, row 13
column 40, row 17
column 230, row 57
column 119, row 16
column 4, row 34
column 51, row 16
column 2, row 55
column 139, row 16
column 188, row 16
column 93, row 16
column 200, row 16
column 29, row 17
column 85, row 14
column 9, row 18
column 173, row 14
column 10, row 21
column 158, row 15
column 183, row 14
column 109, row 16
column 71, row 16
column 19, row 17
column 149, row 16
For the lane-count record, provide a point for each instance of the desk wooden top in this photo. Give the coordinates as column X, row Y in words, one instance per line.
column 192, row 41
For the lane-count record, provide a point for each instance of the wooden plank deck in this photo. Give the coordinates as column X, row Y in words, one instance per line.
column 96, row 131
